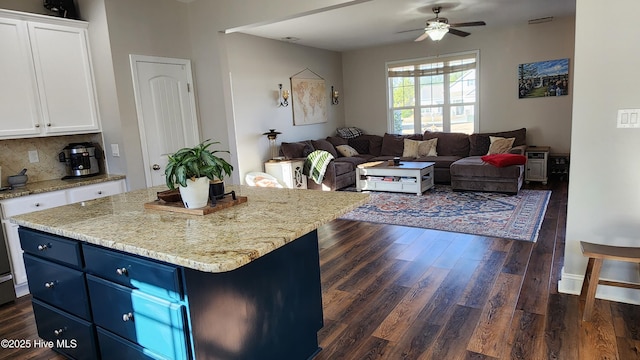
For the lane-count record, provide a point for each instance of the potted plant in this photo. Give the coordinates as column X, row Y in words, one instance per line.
column 192, row 169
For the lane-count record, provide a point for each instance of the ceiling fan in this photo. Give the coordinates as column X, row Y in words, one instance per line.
column 437, row 27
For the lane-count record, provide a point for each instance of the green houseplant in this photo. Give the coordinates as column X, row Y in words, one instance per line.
column 192, row 168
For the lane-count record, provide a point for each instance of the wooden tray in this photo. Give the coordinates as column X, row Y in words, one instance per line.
column 178, row 206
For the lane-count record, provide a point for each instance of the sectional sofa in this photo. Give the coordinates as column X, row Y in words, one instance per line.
column 457, row 160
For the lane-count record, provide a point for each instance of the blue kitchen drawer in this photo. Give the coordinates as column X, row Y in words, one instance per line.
column 58, row 285
column 71, row 335
column 51, row 247
column 149, row 276
column 151, row 322
column 113, row 347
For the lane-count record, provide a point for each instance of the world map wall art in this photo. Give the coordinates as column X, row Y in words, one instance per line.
column 543, row 78
column 309, row 98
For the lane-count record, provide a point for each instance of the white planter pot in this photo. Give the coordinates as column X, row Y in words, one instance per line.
column 196, row 193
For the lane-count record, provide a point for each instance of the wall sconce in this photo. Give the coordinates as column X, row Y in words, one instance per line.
column 272, row 135
column 334, row 97
column 283, row 97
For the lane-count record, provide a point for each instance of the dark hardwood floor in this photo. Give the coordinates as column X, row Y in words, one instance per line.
column 392, row 292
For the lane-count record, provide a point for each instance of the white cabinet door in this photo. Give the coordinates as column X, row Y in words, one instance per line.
column 31, row 203
column 37, row 202
column 19, row 108
column 23, row 205
column 64, row 77
column 15, row 253
column 95, row 191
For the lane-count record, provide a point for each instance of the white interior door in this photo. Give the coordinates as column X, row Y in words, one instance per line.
column 165, row 104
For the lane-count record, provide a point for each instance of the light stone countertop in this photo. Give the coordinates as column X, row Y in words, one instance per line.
column 40, row 187
column 217, row 242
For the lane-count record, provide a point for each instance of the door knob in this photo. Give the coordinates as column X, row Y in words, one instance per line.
column 156, row 167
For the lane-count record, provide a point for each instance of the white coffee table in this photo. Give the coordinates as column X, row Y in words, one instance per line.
column 408, row 177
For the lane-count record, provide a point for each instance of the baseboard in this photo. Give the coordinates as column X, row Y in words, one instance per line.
column 572, row 284
column 22, row 290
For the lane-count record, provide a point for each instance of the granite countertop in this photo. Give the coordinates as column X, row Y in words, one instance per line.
column 217, row 242
column 40, row 187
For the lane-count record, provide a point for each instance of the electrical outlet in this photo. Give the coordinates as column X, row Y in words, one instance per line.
column 33, row 156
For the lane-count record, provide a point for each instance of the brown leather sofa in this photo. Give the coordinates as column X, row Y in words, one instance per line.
column 451, row 148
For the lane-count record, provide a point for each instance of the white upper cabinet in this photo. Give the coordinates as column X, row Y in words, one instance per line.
column 19, row 105
column 51, row 87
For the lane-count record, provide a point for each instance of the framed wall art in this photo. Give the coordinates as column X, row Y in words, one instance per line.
column 308, row 98
column 543, row 78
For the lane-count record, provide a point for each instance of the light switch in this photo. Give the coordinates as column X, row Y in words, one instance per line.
column 628, row 118
column 115, row 150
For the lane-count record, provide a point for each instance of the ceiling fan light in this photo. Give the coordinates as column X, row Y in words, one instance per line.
column 437, row 33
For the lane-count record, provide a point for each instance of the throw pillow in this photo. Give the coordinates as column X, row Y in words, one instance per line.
column 502, row 160
column 393, row 144
column 432, row 149
column 295, row 150
column 416, row 149
column 346, row 150
column 349, row 132
column 325, row 145
column 500, row 145
column 337, row 140
column 360, row 145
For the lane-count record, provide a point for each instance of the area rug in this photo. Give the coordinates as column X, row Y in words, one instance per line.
column 480, row 213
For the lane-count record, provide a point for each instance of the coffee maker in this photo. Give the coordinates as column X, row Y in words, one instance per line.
column 81, row 159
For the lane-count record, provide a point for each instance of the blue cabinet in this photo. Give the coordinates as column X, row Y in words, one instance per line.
column 123, row 306
column 70, row 335
column 149, row 276
column 58, row 285
column 113, row 347
column 151, row 322
column 51, row 247
column 135, row 305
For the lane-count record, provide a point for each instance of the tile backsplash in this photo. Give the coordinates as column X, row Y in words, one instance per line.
column 14, row 156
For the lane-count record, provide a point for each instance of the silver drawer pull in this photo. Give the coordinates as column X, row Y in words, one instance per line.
column 58, row 332
column 127, row 317
column 43, row 247
column 49, row 285
column 122, row 271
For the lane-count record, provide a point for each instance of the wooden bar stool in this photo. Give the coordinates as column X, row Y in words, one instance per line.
column 597, row 253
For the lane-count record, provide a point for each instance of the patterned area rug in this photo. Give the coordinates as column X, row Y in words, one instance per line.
column 498, row 215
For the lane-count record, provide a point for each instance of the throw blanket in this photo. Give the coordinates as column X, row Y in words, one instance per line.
column 316, row 164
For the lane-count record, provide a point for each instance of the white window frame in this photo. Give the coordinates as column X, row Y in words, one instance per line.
column 446, row 105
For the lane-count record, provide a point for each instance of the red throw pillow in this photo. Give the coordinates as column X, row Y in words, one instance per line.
column 502, row 160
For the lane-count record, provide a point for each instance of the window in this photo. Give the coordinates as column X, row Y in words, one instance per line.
column 435, row 94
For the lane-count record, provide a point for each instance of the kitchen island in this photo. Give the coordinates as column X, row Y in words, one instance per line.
column 240, row 283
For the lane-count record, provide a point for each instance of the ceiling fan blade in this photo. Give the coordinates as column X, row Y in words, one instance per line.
column 472, row 23
column 458, row 32
column 406, row 31
column 422, row 37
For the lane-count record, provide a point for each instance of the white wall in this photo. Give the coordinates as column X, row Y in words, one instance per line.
column 31, row 6
column 237, row 76
column 257, row 66
column 141, row 27
column 548, row 120
column 105, row 83
column 604, row 196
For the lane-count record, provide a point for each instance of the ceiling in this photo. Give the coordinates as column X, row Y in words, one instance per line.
column 377, row 22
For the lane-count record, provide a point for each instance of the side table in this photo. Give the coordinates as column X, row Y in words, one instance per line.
column 536, row 169
column 288, row 172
